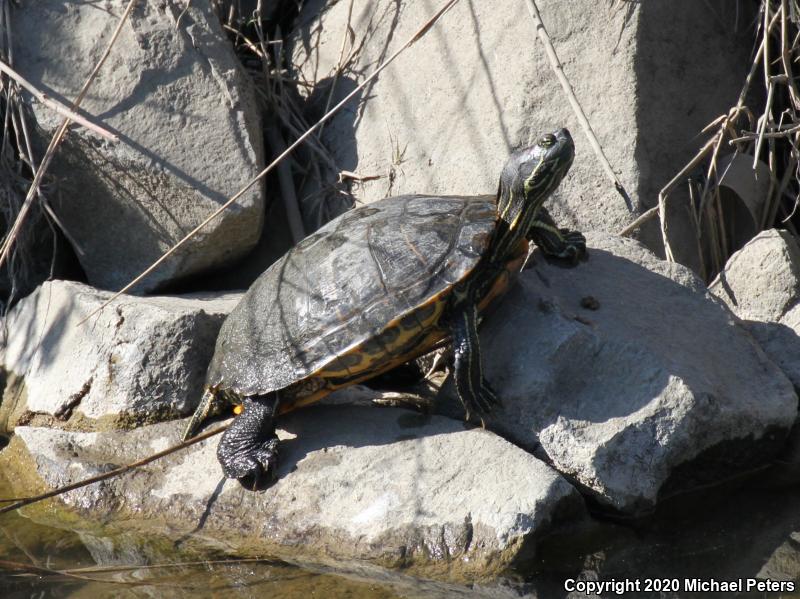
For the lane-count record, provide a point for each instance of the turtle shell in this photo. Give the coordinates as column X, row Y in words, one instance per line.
column 340, row 301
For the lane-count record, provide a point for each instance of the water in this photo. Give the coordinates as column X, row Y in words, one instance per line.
column 29, row 543
column 748, row 528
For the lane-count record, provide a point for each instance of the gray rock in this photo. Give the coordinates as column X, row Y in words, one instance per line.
column 656, row 390
column 781, row 343
column 383, row 487
column 784, row 563
column 189, row 127
column 761, row 285
column 139, row 360
column 445, row 115
column 762, row 280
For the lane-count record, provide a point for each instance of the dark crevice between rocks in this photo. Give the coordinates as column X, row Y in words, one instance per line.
column 41, row 251
column 568, row 517
column 657, row 121
column 743, row 456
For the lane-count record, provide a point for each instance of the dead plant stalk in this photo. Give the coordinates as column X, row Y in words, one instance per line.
column 413, row 39
column 57, row 138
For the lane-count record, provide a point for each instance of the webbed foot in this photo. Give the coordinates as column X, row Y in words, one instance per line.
column 479, row 403
column 256, row 469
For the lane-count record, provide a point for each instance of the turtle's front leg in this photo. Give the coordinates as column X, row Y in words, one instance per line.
column 473, row 390
column 555, row 242
column 249, row 448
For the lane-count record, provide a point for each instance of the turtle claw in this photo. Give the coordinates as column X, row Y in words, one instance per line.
column 255, row 469
column 481, row 403
column 261, row 468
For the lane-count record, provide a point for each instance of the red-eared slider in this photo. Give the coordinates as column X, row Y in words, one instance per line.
column 374, row 288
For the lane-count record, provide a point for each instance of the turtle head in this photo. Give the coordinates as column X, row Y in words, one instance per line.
column 530, row 176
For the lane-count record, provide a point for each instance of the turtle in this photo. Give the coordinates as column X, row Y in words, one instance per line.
column 374, row 288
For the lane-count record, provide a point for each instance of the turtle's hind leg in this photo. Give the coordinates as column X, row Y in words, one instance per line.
column 248, row 450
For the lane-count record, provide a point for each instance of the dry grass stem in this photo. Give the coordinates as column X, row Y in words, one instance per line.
column 32, row 569
column 555, row 63
column 310, row 131
column 771, row 145
column 56, row 141
column 348, row 34
column 56, row 105
column 19, row 502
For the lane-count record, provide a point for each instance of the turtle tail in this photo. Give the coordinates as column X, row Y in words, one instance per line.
column 210, row 405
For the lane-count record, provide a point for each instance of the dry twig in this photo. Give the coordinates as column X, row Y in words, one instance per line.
column 779, row 90
column 576, row 107
column 413, row 39
column 56, row 105
column 56, row 141
column 23, row 501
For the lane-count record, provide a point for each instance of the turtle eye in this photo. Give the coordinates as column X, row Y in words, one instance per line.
column 547, row 140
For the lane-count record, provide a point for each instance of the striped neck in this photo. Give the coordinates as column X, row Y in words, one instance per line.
column 517, row 212
column 527, row 180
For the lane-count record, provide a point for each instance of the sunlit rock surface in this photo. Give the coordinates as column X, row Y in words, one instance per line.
column 141, row 359
column 444, row 116
column 761, row 285
column 629, row 378
column 174, row 92
column 387, row 487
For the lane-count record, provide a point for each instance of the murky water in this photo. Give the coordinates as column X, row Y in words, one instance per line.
column 28, row 543
column 743, row 530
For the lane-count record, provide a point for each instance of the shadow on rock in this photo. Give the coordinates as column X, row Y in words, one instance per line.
column 654, row 383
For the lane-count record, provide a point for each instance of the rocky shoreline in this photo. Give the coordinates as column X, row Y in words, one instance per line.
column 627, row 383
column 395, row 488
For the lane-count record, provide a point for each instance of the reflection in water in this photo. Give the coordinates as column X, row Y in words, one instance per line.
column 747, row 529
column 27, row 543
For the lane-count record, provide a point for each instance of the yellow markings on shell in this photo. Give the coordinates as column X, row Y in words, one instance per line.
column 356, row 360
column 384, row 362
column 430, row 341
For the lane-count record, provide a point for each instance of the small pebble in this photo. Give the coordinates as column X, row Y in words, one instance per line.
column 590, row 303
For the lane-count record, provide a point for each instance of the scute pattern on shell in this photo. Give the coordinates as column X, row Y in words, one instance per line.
column 342, row 285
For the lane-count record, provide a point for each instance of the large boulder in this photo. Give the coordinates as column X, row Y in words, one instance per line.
column 174, row 92
column 630, row 378
column 139, row 360
column 761, row 285
column 445, row 115
column 381, row 487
